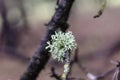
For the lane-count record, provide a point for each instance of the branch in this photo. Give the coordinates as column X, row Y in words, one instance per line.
column 54, row 74
column 58, row 77
column 41, row 57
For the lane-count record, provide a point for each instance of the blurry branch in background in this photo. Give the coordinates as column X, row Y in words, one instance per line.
column 88, row 74
column 106, row 53
column 10, row 34
column 104, row 75
column 104, row 2
column 24, row 15
column 116, row 75
column 41, row 57
column 5, row 23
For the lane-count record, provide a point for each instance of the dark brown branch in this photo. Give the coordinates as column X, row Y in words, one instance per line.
column 41, row 57
column 54, row 74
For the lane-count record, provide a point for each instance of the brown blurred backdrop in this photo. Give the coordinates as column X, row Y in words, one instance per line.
column 22, row 28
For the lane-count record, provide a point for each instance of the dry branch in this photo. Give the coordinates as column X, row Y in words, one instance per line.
column 41, row 57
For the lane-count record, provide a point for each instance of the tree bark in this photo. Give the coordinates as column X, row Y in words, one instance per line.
column 41, row 57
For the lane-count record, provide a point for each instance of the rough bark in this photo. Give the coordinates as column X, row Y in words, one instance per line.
column 41, row 57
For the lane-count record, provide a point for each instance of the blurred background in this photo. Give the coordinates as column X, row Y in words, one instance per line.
column 22, row 26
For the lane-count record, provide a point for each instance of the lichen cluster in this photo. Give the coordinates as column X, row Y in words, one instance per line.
column 60, row 43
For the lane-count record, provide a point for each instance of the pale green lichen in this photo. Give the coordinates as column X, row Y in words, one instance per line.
column 60, row 43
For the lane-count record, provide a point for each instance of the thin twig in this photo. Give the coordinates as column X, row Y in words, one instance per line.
column 54, row 74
